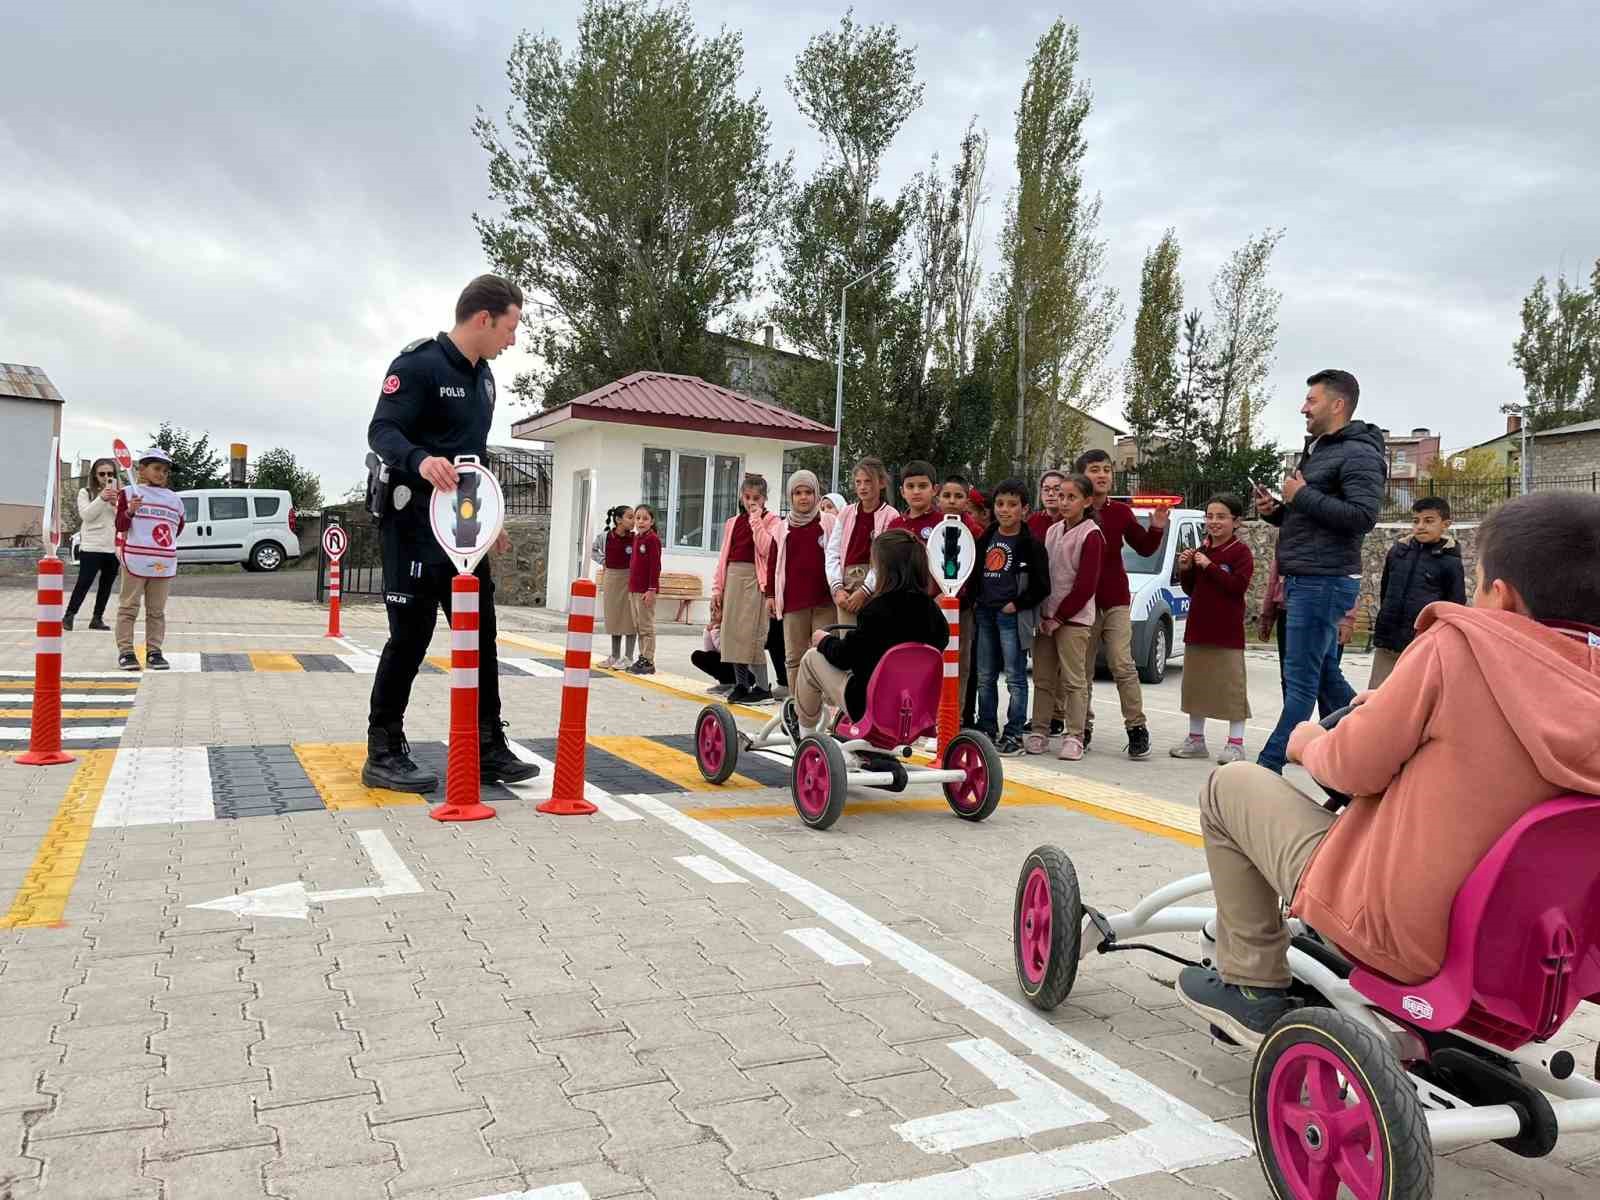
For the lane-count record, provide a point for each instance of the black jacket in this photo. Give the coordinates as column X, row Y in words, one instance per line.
column 1346, row 473
column 1414, row 576
column 1033, row 565
column 885, row 622
column 432, row 402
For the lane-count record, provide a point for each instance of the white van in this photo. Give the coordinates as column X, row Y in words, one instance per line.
column 1160, row 605
column 258, row 529
column 253, row 527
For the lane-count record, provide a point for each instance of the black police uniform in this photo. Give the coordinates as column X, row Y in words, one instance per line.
column 433, row 403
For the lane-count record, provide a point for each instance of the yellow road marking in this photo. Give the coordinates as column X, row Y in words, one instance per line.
column 42, row 897
column 672, row 685
column 67, row 711
column 442, row 661
column 668, row 762
column 334, row 769
column 74, row 685
column 273, row 660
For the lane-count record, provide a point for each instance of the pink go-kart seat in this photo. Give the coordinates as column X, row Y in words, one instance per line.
column 902, row 699
column 1524, row 944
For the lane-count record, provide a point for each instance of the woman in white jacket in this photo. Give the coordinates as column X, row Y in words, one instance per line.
column 97, row 542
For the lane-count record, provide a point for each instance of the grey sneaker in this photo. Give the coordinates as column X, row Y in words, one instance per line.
column 1243, row 1015
column 1231, row 753
column 1190, row 747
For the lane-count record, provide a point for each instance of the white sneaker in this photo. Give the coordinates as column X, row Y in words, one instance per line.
column 1231, row 753
column 1190, row 747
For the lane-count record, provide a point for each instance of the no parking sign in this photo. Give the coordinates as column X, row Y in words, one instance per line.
column 951, row 554
column 334, row 541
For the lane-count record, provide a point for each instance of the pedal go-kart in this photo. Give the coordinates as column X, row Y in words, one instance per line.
column 876, row 752
column 1364, row 1083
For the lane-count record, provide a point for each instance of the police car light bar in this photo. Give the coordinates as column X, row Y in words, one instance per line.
column 1155, row 501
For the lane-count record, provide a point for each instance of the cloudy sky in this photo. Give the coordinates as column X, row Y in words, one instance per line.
column 232, row 216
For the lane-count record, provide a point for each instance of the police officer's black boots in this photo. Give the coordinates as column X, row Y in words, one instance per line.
column 496, row 763
column 389, row 764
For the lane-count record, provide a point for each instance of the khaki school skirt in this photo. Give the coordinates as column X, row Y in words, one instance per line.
column 1214, row 683
column 619, row 613
column 744, row 616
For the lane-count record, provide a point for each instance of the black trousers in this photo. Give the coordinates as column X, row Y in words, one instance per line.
column 90, row 564
column 414, row 592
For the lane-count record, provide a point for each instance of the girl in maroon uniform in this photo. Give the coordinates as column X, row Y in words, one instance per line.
column 1216, row 576
column 644, row 581
column 616, row 557
column 797, row 547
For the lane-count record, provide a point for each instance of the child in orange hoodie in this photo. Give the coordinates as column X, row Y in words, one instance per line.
column 1490, row 711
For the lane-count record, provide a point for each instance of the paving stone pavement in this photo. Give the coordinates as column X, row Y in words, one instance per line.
column 567, row 1008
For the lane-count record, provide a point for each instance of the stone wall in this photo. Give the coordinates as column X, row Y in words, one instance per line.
column 520, row 574
column 1263, row 541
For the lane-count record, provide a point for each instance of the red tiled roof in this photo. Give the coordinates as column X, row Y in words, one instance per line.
column 680, row 402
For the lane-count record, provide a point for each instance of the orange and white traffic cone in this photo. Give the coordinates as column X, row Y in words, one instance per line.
column 44, row 733
column 572, row 737
column 463, row 784
column 333, row 600
column 949, row 697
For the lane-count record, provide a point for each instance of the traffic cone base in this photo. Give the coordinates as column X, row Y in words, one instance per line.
column 566, row 808
column 476, row 811
column 44, row 758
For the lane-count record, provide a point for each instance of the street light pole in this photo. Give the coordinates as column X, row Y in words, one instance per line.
column 838, row 385
column 1525, row 467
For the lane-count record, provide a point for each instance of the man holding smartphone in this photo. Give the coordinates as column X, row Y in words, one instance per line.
column 1329, row 504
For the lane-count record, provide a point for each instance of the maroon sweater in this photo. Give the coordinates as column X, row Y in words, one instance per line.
column 618, row 545
column 1216, row 595
column 742, row 542
column 644, row 572
column 1119, row 523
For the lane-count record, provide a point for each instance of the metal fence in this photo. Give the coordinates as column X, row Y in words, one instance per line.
column 524, row 477
column 1469, row 499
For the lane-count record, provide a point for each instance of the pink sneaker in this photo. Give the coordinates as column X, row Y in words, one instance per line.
column 1036, row 743
column 1071, row 749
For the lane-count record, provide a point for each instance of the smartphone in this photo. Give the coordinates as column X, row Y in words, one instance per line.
column 1276, row 496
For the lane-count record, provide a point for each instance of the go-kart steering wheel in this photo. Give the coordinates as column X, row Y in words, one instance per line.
column 1336, row 800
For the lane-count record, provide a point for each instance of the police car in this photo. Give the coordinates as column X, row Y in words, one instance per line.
column 1160, row 605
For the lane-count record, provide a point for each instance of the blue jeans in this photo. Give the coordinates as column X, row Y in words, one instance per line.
column 1311, row 674
column 1000, row 645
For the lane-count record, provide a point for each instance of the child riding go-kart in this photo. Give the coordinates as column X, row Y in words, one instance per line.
column 1441, row 928
column 882, row 681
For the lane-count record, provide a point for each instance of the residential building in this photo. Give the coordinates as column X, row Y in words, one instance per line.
column 1567, row 454
column 1410, row 456
column 30, row 415
column 1506, row 447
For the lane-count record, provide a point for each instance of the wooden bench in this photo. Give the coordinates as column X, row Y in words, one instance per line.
column 683, row 587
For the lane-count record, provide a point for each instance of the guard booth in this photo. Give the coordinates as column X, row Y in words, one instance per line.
column 674, row 442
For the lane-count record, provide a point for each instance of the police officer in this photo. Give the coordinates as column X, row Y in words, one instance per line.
column 437, row 401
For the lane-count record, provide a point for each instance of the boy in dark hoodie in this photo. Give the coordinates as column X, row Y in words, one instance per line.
column 1419, row 569
column 1010, row 581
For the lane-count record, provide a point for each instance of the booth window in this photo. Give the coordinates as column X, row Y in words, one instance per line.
column 692, row 495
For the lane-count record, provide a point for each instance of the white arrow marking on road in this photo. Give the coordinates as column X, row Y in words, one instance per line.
column 1041, row 1104
column 292, row 900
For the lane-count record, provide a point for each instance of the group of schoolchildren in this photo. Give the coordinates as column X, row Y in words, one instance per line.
column 1048, row 584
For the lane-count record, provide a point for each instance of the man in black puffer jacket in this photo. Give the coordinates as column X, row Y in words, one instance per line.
column 1330, row 503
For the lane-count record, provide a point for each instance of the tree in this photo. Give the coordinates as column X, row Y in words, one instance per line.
column 277, row 469
column 968, row 186
column 194, row 463
column 637, row 193
column 1481, row 465
column 1061, row 315
column 1558, row 352
column 856, row 85
column 1150, row 381
column 1244, row 338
